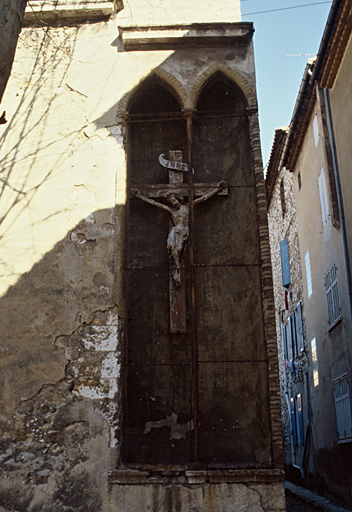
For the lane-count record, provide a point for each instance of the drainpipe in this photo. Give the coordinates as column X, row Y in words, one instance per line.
column 339, row 197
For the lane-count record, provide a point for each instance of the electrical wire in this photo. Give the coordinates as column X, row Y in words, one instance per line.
column 284, row 8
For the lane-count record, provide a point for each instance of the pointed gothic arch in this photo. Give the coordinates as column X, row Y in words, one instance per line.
column 232, row 74
column 157, row 76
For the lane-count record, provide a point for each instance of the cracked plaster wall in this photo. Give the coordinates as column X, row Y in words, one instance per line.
column 63, row 190
column 63, row 182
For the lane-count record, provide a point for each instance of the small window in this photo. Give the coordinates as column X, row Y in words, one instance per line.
column 299, row 181
column 285, row 263
column 316, row 130
column 315, row 363
column 309, row 275
column 323, row 197
column 332, row 296
column 282, row 197
column 343, row 407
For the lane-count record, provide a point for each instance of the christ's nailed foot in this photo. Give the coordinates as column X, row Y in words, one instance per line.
column 177, row 276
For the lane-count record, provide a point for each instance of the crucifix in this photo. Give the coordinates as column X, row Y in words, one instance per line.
column 174, row 192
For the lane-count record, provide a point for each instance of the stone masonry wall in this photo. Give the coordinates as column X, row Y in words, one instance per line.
column 283, row 226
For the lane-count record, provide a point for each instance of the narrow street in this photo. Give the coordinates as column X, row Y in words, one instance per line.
column 296, row 504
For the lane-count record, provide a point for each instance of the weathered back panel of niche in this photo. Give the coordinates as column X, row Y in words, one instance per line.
column 232, row 382
column 157, row 364
column 233, row 394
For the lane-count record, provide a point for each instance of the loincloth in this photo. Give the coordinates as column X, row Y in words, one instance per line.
column 177, row 237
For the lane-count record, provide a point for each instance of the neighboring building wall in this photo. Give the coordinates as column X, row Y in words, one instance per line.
column 328, row 340
column 341, row 110
column 289, row 310
column 321, row 177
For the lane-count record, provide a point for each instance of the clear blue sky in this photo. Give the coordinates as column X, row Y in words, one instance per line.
column 284, row 32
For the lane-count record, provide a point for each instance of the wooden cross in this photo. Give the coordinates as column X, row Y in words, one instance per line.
column 177, row 293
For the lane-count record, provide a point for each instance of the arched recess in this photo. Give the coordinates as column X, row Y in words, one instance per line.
column 221, row 131
column 232, row 74
column 195, row 396
column 233, row 387
column 158, row 75
column 156, row 373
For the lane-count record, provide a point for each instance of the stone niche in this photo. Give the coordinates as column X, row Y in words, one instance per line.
column 215, row 361
column 200, row 426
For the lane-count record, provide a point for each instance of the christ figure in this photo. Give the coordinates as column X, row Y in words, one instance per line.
column 179, row 232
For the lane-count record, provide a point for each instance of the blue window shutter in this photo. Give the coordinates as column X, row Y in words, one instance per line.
column 285, row 263
column 284, row 340
column 299, row 326
column 293, row 422
column 289, row 340
column 294, row 334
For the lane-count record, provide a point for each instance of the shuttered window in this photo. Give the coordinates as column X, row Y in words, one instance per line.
column 332, row 296
column 285, row 263
column 343, row 407
column 289, row 340
column 315, row 363
column 294, row 334
column 316, row 130
column 323, row 197
column 299, row 327
column 308, row 273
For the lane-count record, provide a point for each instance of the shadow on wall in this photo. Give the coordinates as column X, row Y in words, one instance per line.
column 37, row 144
column 60, row 360
column 31, row 114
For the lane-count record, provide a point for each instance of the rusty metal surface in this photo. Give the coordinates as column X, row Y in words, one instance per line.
column 193, row 305
column 195, row 370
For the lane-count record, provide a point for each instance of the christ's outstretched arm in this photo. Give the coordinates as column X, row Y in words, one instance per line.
column 135, row 192
column 222, row 184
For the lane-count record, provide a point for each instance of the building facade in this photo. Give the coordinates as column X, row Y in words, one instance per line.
column 313, row 148
column 138, row 354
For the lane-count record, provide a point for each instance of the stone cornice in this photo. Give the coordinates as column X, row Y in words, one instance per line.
column 172, row 37
column 194, row 477
column 69, row 10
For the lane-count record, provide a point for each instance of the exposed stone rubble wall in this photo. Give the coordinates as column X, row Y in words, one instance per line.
column 283, row 226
